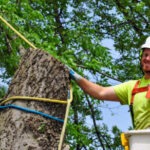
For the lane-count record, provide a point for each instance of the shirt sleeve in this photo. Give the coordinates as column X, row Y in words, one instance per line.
column 123, row 91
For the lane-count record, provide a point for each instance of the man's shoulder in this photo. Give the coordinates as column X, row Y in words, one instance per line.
column 132, row 81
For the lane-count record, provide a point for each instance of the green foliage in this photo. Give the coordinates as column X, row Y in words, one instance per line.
column 72, row 31
column 117, row 140
column 42, row 128
column 2, row 91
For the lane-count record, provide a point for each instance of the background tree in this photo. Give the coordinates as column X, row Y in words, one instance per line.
column 72, row 32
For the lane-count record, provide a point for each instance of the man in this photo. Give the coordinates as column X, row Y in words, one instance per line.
column 135, row 93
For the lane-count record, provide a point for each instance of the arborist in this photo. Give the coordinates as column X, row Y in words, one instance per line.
column 135, row 93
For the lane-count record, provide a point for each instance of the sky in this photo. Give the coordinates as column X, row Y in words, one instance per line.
column 116, row 114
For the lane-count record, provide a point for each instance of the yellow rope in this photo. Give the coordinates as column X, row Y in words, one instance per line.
column 32, row 98
column 21, row 36
column 65, row 120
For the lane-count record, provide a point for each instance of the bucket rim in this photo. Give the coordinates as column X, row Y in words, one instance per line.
column 137, row 132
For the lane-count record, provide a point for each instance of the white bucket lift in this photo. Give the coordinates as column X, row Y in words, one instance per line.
column 136, row 140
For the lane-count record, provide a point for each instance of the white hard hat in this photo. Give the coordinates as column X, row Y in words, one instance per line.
column 146, row 44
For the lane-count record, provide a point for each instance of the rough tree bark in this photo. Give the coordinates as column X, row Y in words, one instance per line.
column 38, row 75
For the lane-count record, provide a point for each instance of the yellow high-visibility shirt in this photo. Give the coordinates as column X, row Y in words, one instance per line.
column 141, row 105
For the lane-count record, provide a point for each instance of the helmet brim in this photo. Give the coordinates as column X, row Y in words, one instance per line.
column 145, row 46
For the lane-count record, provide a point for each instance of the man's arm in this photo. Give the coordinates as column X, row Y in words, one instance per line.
column 97, row 91
column 94, row 90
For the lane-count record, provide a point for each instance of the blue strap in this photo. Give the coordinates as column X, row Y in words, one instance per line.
column 31, row 111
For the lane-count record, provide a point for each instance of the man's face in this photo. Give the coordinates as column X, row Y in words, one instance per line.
column 145, row 60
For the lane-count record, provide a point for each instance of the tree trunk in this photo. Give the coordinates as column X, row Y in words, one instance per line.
column 38, row 75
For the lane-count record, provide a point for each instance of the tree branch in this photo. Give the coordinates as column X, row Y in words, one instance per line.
column 98, row 133
column 104, row 74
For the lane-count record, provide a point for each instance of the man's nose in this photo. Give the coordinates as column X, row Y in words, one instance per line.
column 148, row 57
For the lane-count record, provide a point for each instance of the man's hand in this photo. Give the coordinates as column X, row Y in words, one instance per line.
column 73, row 74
